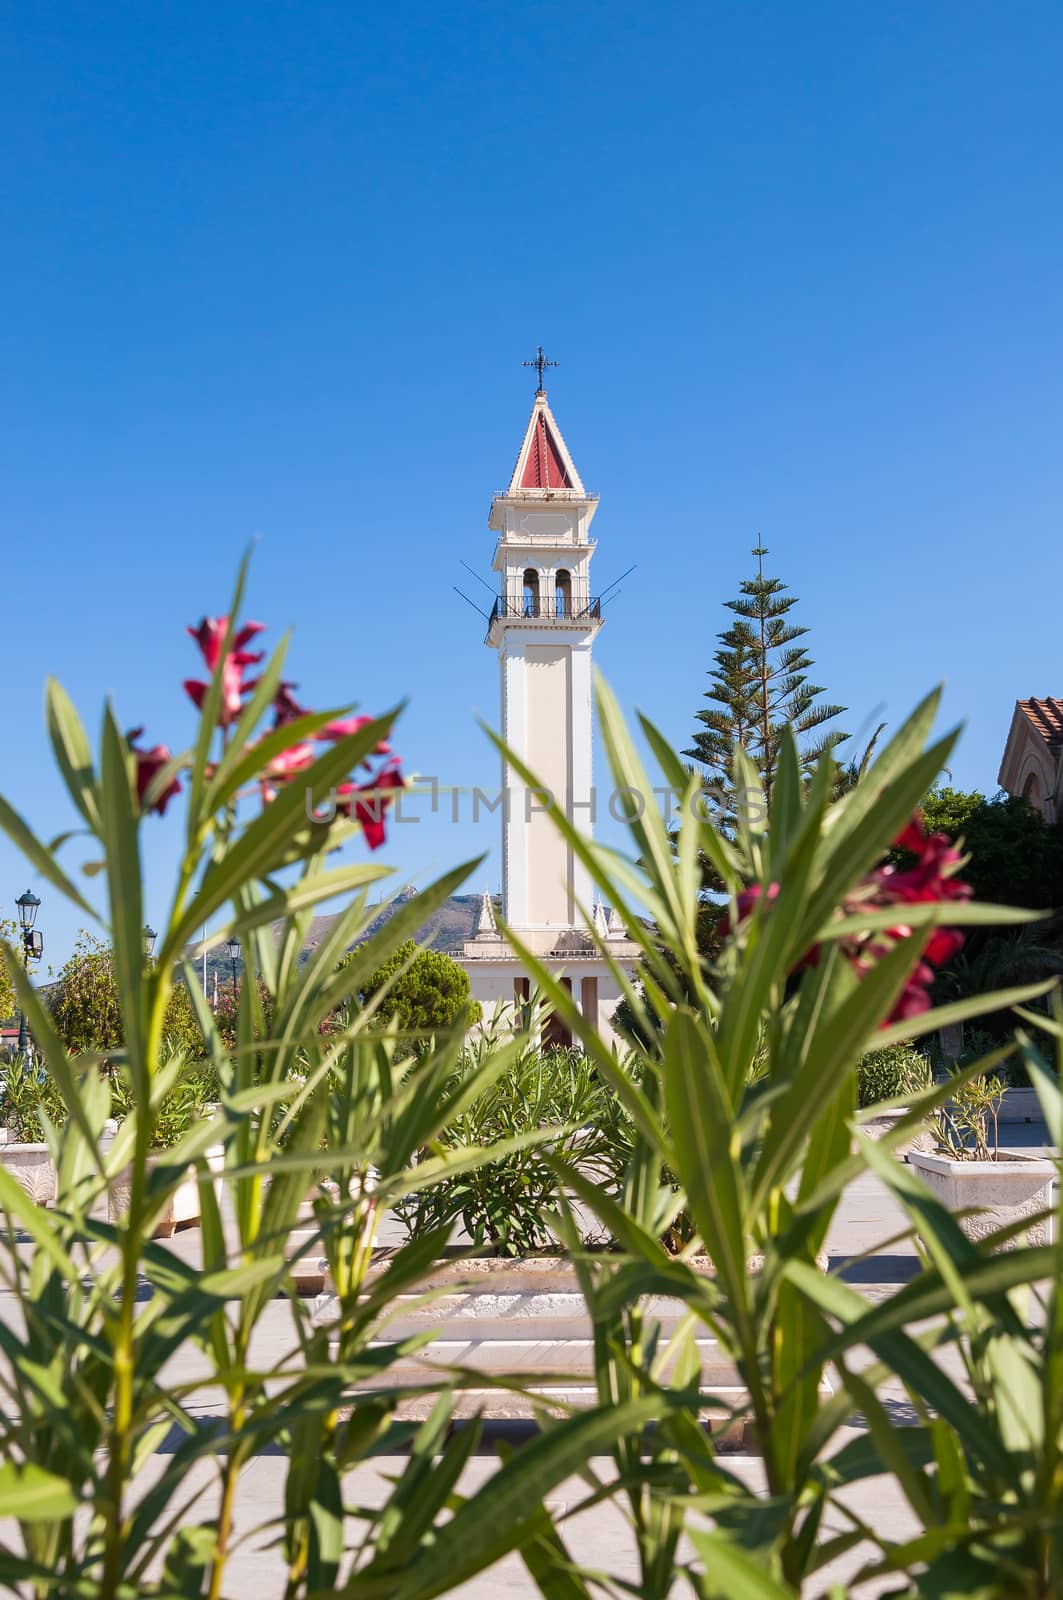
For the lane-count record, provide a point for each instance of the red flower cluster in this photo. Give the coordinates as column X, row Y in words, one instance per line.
column 286, row 708
column 148, row 763
column 746, row 901
column 366, row 803
column 210, row 637
column 931, row 879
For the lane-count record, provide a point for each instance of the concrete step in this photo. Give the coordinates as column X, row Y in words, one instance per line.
column 539, row 1353
column 525, row 1321
column 499, row 1405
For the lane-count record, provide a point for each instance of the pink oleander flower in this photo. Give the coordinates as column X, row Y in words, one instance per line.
column 285, row 706
column 345, row 726
column 148, row 764
column 210, row 636
column 933, row 875
column 211, row 633
column 367, row 804
column 932, row 879
column 745, row 901
column 284, row 766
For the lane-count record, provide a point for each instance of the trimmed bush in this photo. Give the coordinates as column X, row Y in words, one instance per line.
column 85, row 1009
column 887, row 1074
column 430, row 996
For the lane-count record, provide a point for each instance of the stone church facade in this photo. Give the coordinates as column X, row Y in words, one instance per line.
column 1031, row 764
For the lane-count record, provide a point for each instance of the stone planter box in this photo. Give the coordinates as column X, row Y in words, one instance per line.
column 878, row 1127
column 1005, row 1190
column 182, row 1209
column 31, row 1166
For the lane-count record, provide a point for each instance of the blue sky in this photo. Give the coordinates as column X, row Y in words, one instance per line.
column 270, row 271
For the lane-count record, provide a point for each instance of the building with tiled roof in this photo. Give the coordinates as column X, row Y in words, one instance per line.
column 1031, row 763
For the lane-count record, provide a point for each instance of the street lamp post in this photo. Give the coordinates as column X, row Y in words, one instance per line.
column 234, row 956
column 32, row 948
column 149, row 936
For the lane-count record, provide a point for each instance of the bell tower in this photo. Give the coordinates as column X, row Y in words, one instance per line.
column 543, row 626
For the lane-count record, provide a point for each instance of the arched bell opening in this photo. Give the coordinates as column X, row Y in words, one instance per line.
column 530, row 606
column 563, row 593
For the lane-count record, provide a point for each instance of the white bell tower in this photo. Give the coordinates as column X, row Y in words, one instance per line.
column 543, row 626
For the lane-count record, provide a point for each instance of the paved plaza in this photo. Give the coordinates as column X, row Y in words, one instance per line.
column 862, row 1245
column 867, row 1220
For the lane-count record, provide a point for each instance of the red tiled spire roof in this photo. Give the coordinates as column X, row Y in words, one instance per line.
column 544, row 468
column 544, row 465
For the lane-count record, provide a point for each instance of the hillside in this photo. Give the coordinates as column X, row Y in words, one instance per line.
column 454, row 922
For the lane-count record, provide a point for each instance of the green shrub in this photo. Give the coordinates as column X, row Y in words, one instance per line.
column 181, row 1033
column 11, row 934
column 227, row 1010
column 508, row 1204
column 423, row 992
column 84, row 1004
column 887, row 1074
column 25, row 1091
column 967, row 1127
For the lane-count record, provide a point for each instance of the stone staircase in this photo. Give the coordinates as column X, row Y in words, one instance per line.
column 524, row 1324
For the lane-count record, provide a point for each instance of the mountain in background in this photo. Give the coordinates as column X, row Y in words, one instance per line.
column 447, row 929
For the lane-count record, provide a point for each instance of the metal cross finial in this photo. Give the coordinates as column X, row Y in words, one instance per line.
column 539, row 364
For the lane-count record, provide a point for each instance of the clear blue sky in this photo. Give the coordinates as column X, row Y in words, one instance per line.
column 271, row 270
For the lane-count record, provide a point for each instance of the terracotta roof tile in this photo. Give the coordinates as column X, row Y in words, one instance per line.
column 1046, row 718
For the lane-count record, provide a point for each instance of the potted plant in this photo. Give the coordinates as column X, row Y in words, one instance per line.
column 25, row 1091
column 29, row 1100
column 184, row 1107
column 988, row 1188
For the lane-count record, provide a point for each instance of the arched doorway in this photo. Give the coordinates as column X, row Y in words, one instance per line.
column 556, row 1036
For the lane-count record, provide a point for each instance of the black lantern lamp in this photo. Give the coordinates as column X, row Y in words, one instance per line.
column 32, row 942
column 32, row 947
column 28, row 906
column 149, row 936
column 234, row 956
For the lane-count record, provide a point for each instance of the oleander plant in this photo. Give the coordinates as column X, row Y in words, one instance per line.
column 738, row 1112
column 320, row 1125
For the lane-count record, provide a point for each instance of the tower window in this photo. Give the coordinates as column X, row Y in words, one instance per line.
column 563, row 593
column 531, row 593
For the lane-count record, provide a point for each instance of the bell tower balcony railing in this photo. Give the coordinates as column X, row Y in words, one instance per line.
column 562, row 609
